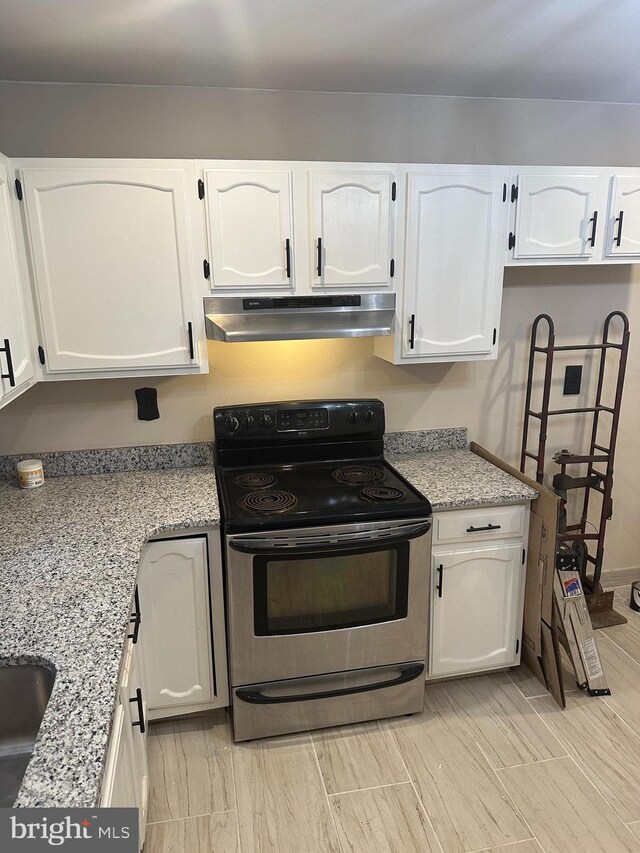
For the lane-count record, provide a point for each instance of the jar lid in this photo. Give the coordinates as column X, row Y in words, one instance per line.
column 30, row 465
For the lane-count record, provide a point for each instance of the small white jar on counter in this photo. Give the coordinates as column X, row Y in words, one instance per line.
column 30, row 473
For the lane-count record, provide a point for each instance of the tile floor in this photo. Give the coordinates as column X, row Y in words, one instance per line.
column 491, row 764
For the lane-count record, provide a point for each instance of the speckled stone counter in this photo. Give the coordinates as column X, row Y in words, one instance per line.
column 69, row 555
column 453, row 479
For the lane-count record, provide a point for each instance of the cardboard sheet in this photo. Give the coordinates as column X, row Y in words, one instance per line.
column 540, row 648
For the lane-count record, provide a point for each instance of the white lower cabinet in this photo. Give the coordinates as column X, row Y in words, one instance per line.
column 183, row 641
column 126, row 778
column 174, row 661
column 477, row 592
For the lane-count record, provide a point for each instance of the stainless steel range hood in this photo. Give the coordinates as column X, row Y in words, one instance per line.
column 286, row 318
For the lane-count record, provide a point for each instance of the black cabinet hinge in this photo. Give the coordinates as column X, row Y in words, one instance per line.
column 18, row 184
column 495, row 335
column 517, row 645
column 206, row 269
column 524, row 553
column 512, row 239
column 392, row 268
column 393, row 191
column 514, row 192
column 200, row 188
column 41, row 355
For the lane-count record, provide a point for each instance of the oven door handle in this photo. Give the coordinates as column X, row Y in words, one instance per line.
column 253, row 543
column 257, row 697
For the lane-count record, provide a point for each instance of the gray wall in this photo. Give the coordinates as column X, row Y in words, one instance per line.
column 119, row 121
column 56, row 120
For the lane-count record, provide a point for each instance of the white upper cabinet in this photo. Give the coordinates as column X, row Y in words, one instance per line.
column 454, row 220
column 573, row 215
column 350, row 228
column 623, row 235
column 557, row 216
column 112, row 267
column 296, row 227
column 453, row 278
column 16, row 366
column 250, row 227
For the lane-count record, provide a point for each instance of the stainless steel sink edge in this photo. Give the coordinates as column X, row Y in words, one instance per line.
column 26, row 684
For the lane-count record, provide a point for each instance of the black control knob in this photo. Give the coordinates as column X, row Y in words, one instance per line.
column 266, row 421
column 231, row 424
column 248, row 422
column 352, row 417
column 369, row 416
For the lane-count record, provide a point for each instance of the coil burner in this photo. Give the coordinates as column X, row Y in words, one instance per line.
column 382, row 494
column 358, row 475
column 254, row 481
column 268, row 501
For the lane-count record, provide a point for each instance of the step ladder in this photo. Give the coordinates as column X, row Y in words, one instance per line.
column 599, row 456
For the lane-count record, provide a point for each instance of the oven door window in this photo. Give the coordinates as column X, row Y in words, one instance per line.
column 326, row 591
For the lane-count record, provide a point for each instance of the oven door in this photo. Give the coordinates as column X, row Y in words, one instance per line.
column 327, row 599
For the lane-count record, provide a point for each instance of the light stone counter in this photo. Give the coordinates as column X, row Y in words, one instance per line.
column 69, row 556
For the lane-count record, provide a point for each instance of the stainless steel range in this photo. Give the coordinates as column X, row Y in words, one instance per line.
column 327, row 554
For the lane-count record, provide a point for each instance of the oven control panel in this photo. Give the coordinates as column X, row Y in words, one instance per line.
column 299, row 419
column 293, row 420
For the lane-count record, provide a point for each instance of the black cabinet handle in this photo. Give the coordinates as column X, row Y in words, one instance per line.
column 594, row 219
column 257, row 697
column 319, row 257
column 412, row 331
column 287, row 252
column 9, row 374
column 190, row 332
column 138, row 700
column 135, row 619
column 440, row 576
column 618, row 238
column 473, row 529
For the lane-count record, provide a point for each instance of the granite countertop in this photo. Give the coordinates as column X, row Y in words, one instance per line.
column 454, row 479
column 69, row 554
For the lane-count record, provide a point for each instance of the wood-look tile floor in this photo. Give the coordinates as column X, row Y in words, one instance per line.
column 490, row 765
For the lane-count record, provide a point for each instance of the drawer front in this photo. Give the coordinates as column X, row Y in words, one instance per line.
column 472, row 525
column 350, row 702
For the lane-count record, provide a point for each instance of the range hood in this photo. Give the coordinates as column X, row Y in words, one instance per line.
column 290, row 318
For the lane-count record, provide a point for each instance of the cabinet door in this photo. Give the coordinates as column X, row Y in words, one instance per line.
column 175, row 640
column 453, row 278
column 250, row 228
column 476, row 609
column 16, row 367
column 111, row 264
column 351, row 231
column 624, row 217
column 118, row 790
column 139, row 734
column 557, row 216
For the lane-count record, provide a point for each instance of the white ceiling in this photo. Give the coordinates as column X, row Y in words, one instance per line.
column 561, row 49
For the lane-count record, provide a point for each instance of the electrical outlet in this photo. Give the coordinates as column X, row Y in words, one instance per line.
column 147, row 404
column 572, row 379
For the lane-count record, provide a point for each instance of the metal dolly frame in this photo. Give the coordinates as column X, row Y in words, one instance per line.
column 595, row 480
